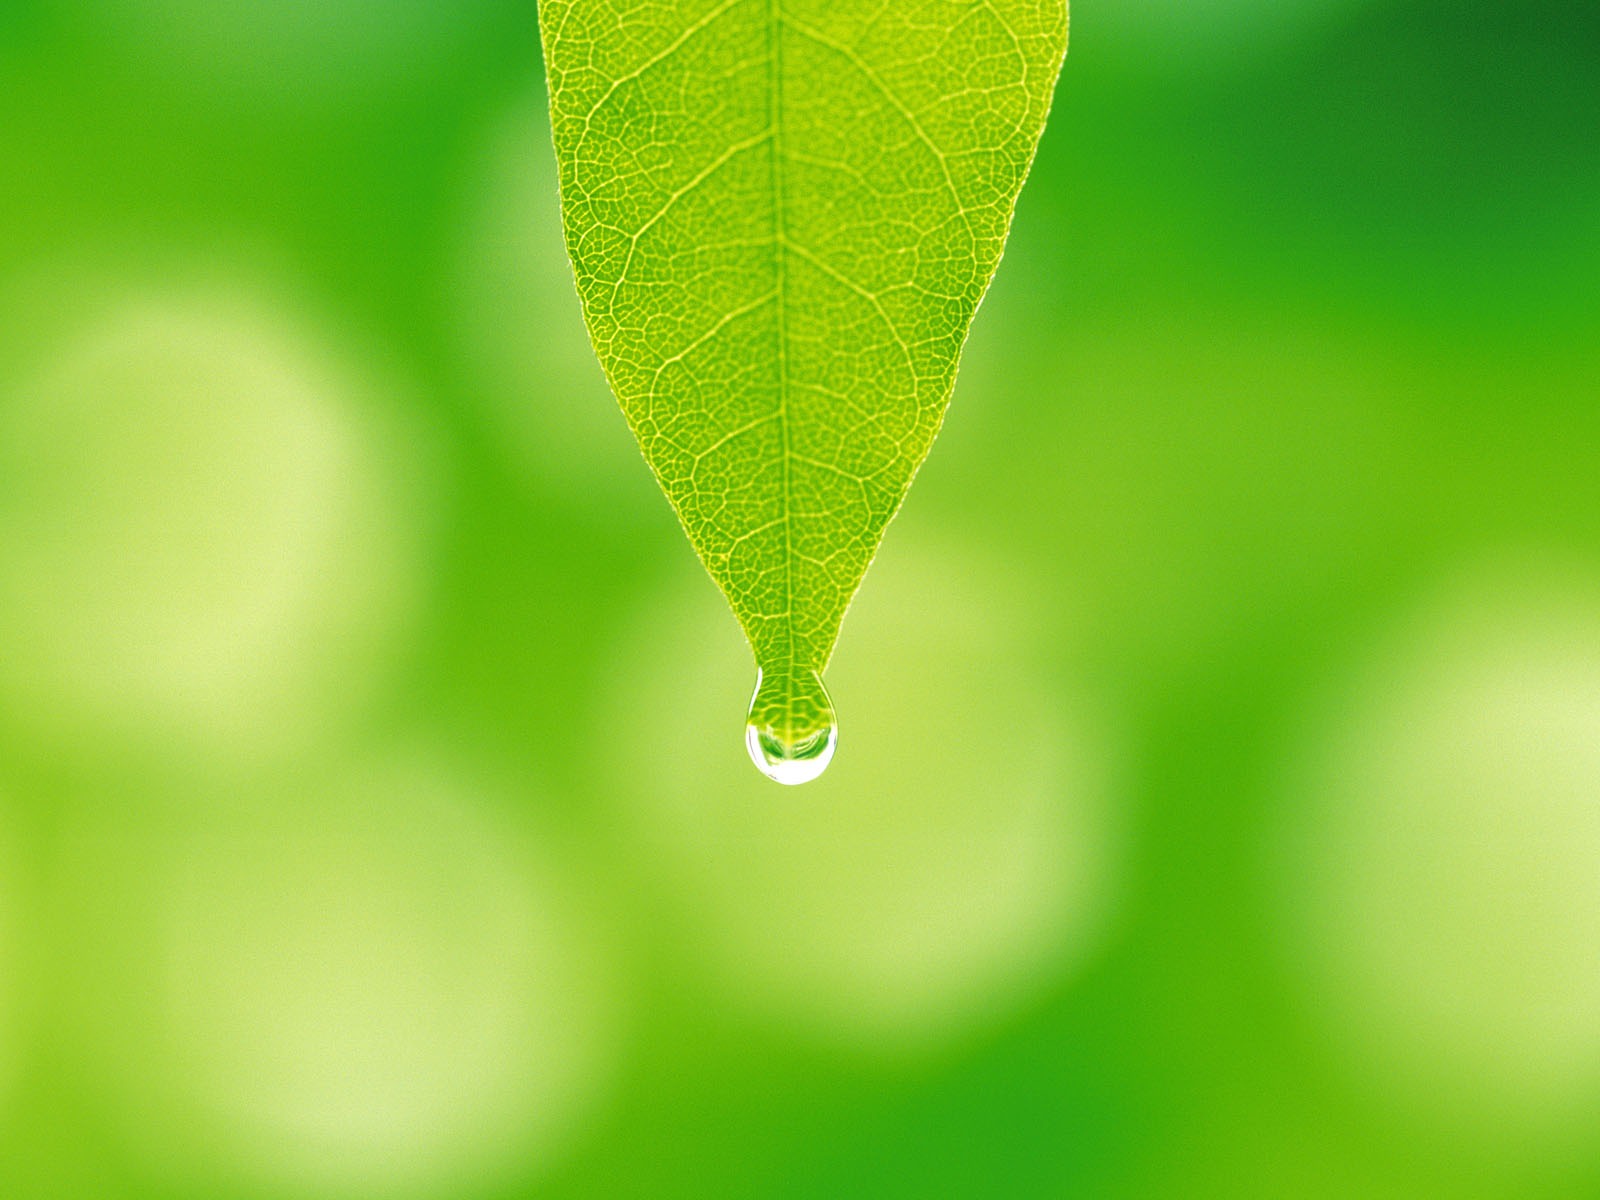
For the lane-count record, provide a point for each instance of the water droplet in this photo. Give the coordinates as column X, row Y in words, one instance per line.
column 791, row 732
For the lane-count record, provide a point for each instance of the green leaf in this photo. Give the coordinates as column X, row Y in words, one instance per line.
column 783, row 215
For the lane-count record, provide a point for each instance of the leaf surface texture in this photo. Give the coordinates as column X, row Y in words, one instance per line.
column 782, row 215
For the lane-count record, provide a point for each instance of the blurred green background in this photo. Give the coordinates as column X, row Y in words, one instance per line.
column 1218, row 808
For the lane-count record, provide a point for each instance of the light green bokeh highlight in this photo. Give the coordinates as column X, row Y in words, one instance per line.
column 202, row 533
column 1444, row 879
column 958, row 867
column 377, row 981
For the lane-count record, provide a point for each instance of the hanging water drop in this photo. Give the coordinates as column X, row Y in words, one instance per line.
column 791, row 731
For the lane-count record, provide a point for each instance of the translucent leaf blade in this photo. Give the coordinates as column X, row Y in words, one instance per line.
column 782, row 215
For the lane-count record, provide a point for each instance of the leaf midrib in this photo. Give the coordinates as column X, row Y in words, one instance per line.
column 780, row 236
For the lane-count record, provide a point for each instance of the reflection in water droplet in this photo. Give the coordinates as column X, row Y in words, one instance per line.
column 791, row 731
